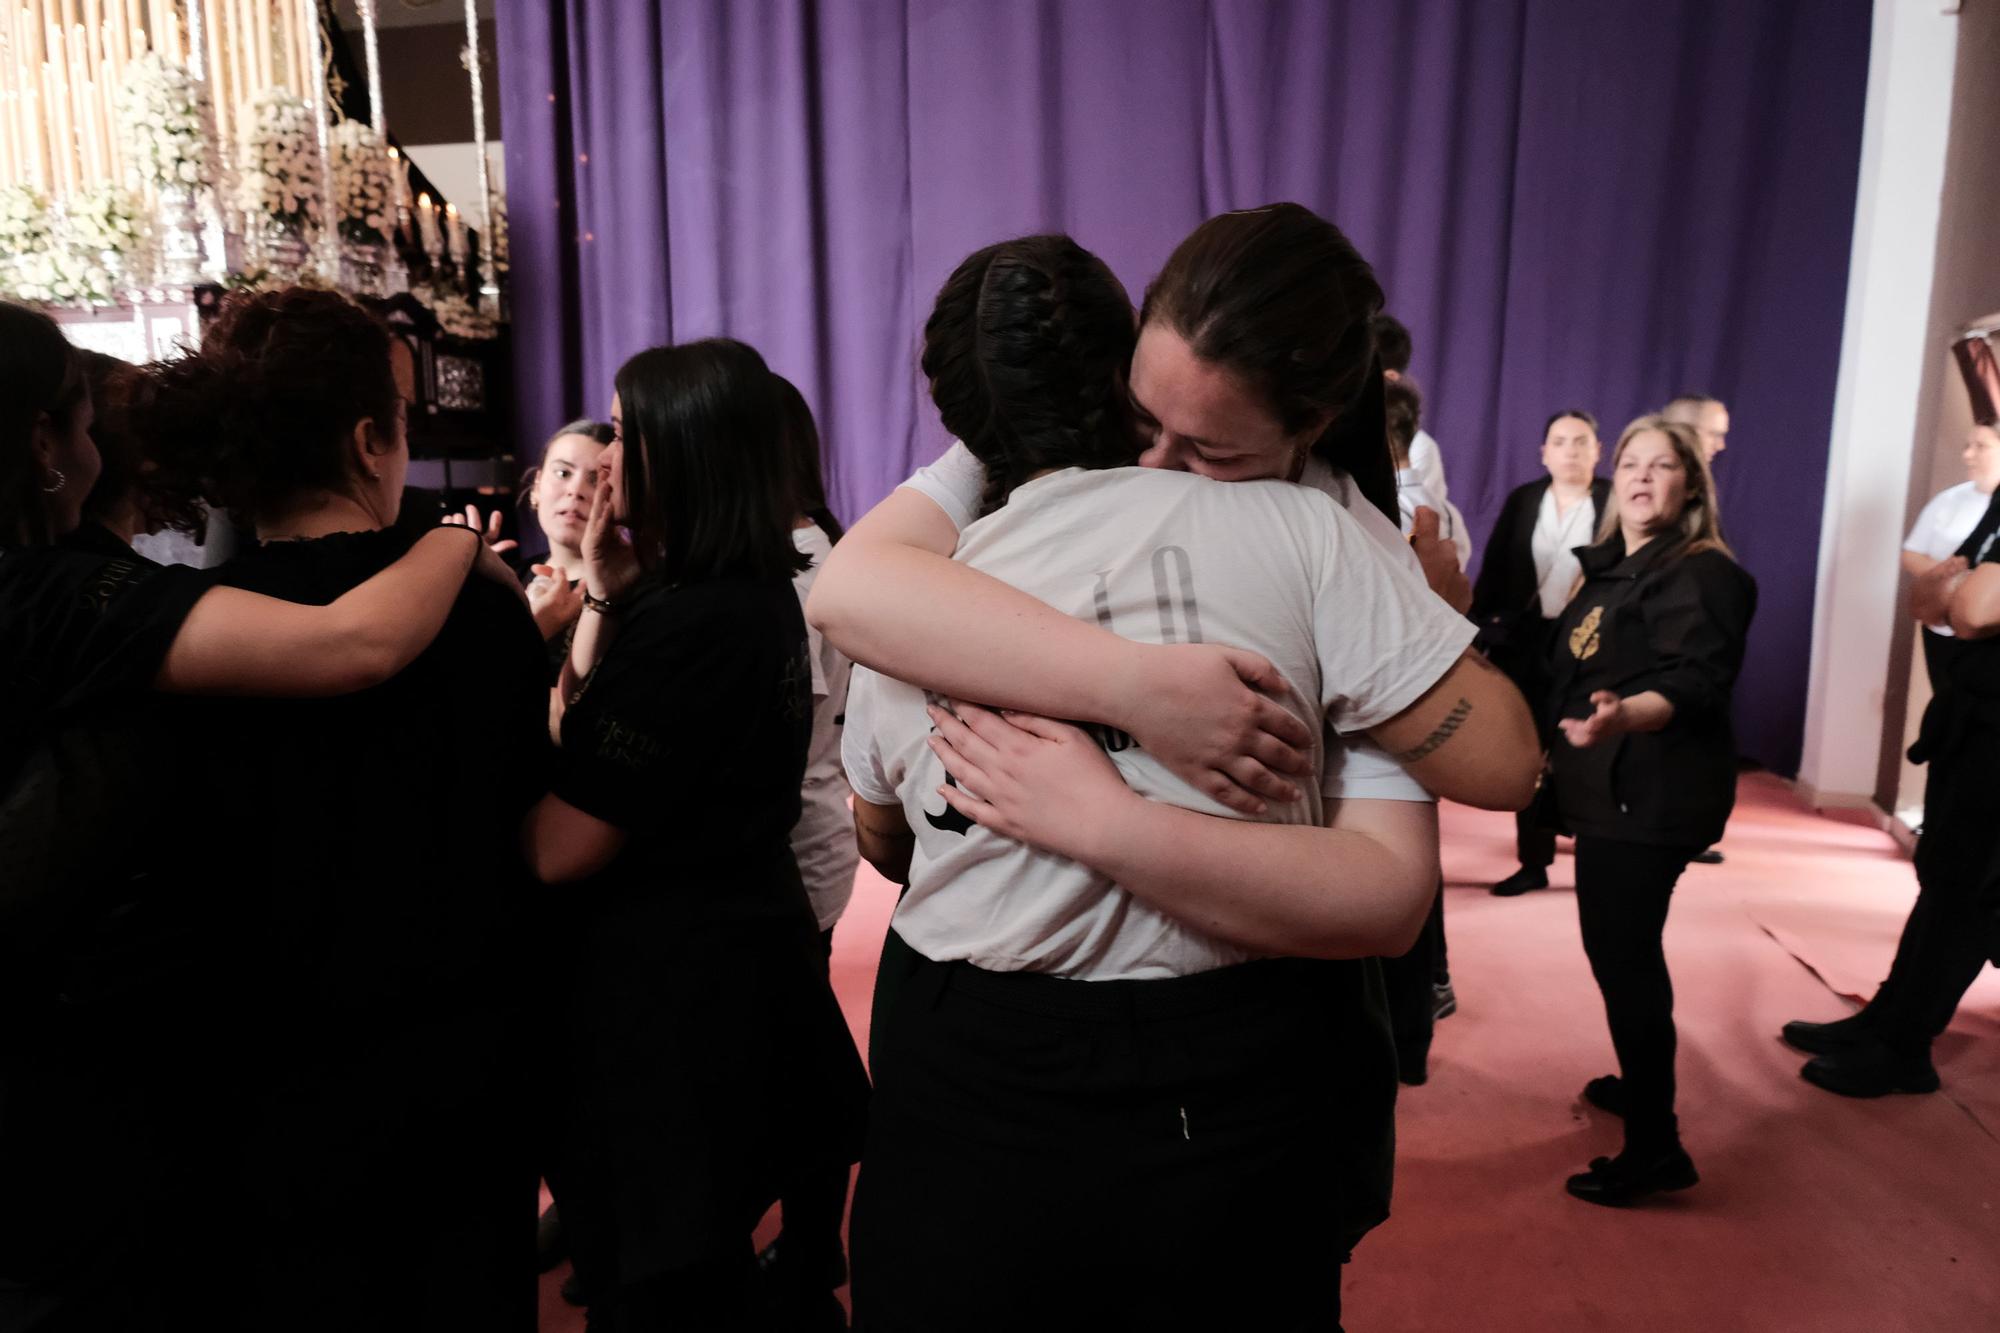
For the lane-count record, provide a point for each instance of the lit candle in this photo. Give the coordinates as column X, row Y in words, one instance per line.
column 399, row 179
column 455, row 226
column 427, row 226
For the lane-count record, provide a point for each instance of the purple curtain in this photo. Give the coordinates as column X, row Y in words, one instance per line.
column 1570, row 203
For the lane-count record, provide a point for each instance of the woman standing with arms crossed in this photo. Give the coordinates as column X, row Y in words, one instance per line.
column 1529, row 571
column 1645, row 658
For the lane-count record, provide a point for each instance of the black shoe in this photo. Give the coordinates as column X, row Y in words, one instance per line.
column 1606, row 1094
column 1624, row 1179
column 572, row 1292
column 1444, row 1001
column 1413, row 1067
column 1825, row 1038
column 549, row 1241
column 1521, row 881
column 1711, row 857
column 1870, row 1068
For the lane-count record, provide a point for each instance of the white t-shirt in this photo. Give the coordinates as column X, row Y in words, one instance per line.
column 1554, row 543
column 1160, row 557
column 823, row 839
column 1356, row 768
column 1947, row 521
column 1428, row 461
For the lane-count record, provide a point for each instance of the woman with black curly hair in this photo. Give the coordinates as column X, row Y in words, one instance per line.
column 383, row 889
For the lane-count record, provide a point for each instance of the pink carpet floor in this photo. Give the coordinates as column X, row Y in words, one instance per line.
column 1814, row 1212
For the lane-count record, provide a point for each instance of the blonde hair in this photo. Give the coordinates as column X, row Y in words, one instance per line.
column 1701, row 517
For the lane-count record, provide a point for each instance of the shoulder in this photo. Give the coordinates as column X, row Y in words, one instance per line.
column 1711, row 574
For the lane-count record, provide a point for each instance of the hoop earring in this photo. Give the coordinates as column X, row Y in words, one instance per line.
column 59, row 481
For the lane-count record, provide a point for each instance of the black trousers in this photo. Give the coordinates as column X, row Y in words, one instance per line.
column 1047, row 1153
column 1948, row 937
column 814, row 1200
column 1409, row 981
column 1522, row 659
column 1622, row 893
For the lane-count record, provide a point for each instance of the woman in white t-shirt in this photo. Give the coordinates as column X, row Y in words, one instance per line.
column 973, row 1168
column 1947, row 521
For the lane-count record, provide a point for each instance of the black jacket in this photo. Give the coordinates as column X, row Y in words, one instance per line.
column 1505, row 594
column 1658, row 620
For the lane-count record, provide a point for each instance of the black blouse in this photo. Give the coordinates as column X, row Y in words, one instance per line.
column 387, row 821
column 1664, row 621
column 691, row 735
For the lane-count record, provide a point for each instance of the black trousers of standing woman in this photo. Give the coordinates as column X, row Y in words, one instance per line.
column 1623, row 890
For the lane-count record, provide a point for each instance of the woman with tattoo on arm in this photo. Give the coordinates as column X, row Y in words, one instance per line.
column 1254, row 360
column 1175, row 1044
column 1645, row 658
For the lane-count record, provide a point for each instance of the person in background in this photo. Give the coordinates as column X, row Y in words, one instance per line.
column 1419, row 982
column 1643, row 766
column 1944, row 525
column 805, row 1264
column 1953, row 930
column 1525, row 581
column 1392, row 344
column 1708, row 417
column 709, row 1064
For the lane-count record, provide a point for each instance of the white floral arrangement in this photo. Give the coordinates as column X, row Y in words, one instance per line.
column 107, row 219
column 24, row 220
column 361, row 182
column 160, row 118
column 456, row 315
column 64, row 275
column 277, row 178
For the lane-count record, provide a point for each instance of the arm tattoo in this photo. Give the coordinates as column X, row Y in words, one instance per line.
column 1445, row 730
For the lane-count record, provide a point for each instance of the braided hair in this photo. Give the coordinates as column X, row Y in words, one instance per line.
column 1027, row 352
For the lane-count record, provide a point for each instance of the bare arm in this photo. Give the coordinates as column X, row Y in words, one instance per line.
column 564, row 844
column 1975, row 603
column 1916, row 563
column 610, row 570
column 883, row 832
column 891, row 598
column 1470, row 738
column 237, row 642
column 1356, row 889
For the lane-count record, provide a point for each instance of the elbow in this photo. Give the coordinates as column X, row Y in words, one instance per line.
column 825, row 608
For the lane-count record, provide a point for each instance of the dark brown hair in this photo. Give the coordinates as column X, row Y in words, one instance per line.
column 1403, row 411
column 39, row 373
column 1027, row 351
column 802, row 442
column 1577, row 412
column 707, row 478
column 265, row 412
column 1279, row 296
column 1392, row 343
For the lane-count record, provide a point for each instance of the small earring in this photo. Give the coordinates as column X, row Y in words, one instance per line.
column 373, row 475
column 56, row 482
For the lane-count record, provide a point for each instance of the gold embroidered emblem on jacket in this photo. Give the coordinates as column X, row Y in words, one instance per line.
column 1583, row 641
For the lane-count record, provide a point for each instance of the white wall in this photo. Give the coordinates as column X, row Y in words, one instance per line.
column 1905, row 132
column 455, row 169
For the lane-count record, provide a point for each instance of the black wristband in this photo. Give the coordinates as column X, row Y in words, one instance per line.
column 599, row 605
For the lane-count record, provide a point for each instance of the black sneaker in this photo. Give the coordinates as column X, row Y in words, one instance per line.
column 1871, row 1068
column 1444, row 1001
column 1521, row 881
column 1825, row 1038
column 1625, row 1179
column 1711, row 857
